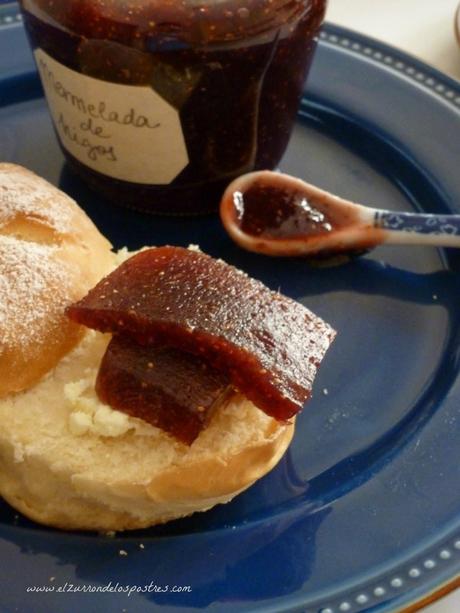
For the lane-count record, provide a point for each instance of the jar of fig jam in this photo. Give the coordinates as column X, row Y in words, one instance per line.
column 159, row 104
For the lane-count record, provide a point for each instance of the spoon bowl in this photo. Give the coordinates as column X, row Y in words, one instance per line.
column 279, row 215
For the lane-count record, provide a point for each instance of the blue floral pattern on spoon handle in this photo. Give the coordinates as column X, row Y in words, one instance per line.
column 442, row 230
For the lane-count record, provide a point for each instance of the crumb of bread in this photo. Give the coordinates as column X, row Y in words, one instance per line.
column 123, row 254
column 79, row 423
column 90, row 415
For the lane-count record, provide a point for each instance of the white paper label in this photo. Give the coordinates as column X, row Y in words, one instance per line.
column 123, row 131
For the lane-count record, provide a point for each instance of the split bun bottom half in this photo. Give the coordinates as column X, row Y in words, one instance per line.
column 135, row 480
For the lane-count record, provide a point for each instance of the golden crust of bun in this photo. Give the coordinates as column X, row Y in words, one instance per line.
column 50, row 255
column 51, row 498
column 136, row 480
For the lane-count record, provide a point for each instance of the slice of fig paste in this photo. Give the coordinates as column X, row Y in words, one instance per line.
column 170, row 389
column 267, row 344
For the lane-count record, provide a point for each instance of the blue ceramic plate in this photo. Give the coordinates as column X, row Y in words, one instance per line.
column 363, row 513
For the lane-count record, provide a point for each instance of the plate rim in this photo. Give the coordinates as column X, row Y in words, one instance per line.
column 401, row 62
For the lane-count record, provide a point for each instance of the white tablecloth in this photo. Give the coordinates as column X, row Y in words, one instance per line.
column 424, row 28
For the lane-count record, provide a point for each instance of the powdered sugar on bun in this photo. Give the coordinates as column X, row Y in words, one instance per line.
column 29, row 274
column 24, row 194
column 45, row 241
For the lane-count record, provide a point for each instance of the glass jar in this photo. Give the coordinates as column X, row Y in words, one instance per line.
column 159, row 104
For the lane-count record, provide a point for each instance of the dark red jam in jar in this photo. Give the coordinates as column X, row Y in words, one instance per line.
column 159, row 104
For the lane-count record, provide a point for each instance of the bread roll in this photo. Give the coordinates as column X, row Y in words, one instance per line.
column 65, row 460
column 50, row 255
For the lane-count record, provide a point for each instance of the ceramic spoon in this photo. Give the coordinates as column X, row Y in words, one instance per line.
column 275, row 214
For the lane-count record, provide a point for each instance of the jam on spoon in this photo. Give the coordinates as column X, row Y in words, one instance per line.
column 276, row 214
